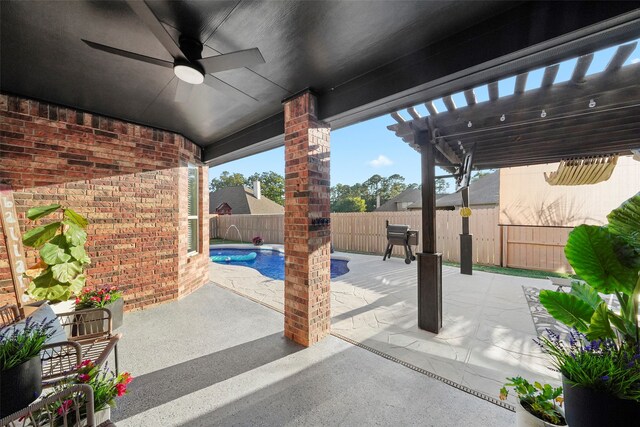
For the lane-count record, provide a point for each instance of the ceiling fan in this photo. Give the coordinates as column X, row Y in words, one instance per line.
column 188, row 64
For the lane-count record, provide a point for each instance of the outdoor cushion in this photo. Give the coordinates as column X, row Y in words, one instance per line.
column 44, row 313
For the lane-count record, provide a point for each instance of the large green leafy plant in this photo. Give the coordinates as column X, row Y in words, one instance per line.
column 60, row 272
column 607, row 258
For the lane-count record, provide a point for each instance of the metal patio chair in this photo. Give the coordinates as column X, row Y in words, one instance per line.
column 89, row 337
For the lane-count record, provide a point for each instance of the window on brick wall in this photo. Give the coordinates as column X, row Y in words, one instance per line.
column 192, row 213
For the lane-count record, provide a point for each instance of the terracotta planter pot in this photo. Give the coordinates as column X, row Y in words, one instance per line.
column 585, row 407
column 525, row 418
column 20, row 386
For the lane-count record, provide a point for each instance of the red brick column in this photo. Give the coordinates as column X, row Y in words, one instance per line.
column 306, row 239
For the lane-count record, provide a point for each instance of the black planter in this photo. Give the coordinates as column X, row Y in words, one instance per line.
column 20, row 385
column 585, row 407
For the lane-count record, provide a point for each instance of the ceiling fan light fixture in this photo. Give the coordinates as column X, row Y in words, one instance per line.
column 188, row 73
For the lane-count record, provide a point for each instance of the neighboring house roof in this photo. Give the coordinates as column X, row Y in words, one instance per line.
column 484, row 191
column 406, row 198
column 242, row 201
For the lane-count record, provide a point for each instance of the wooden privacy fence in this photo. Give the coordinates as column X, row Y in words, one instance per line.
column 269, row 227
column 535, row 248
column 538, row 248
column 365, row 232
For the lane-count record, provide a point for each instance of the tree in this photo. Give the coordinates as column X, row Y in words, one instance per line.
column 441, row 186
column 271, row 185
column 226, row 179
column 350, row 204
column 479, row 174
column 342, row 195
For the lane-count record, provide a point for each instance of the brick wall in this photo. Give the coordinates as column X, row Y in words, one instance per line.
column 307, row 245
column 128, row 180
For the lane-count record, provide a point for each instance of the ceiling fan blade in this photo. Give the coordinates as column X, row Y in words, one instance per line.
column 183, row 91
column 223, row 87
column 229, row 61
column 146, row 14
column 128, row 54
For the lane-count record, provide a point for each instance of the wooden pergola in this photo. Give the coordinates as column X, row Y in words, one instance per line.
column 585, row 116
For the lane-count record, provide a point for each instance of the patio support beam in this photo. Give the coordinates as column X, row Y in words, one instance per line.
column 307, row 232
column 429, row 261
column 466, row 239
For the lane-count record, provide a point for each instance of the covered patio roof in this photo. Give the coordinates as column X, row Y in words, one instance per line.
column 584, row 116
column 363, row 59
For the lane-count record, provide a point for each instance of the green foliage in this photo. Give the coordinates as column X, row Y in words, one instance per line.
column 271, row 185
column 60, row 273
column 595, row 363
column 226, row 179
column 19, row 344
column 595, row 255
column 40, row 211
column 350, row 204
column 480, row 173
column 625, row 222
column 540, row 400
column 94, row 298
column 567, row 308
column 590, row 251
column 368, row 191
column 38, row 236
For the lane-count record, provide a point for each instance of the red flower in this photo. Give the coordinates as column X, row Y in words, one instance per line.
column 84, row 378
column 78, row 300
column 126, row 377
column 107, row 297
column 64, row 407
column 86, row 290
column 84, row 363
column 121, row 389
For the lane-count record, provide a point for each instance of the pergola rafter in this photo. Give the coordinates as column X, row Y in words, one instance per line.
column 543, row 125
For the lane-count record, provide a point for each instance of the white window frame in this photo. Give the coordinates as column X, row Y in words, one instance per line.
column 196, row 251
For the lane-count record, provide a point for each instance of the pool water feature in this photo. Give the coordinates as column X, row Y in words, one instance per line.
column 270, row 263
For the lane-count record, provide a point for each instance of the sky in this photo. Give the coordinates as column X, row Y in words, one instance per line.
column 367, row 148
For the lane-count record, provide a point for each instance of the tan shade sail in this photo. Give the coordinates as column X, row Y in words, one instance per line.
column 584, row 171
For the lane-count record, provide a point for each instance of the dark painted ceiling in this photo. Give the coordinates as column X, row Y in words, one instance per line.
column 305, row 44
column 354, row 53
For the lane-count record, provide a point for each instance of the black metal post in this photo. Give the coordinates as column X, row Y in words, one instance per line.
column 466, row 239
column 429, row 262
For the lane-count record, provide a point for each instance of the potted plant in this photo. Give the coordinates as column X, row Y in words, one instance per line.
column 106, row 388
column 538, row 405
column 59, row 273
column 257, row 241
column 20, row 364
column 109, row 297
column 597, row 372
column 600, row 364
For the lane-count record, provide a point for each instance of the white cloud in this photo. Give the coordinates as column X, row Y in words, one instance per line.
column 380, row 161
column 635, row 60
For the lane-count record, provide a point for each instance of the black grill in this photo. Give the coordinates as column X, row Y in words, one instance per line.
column 399, row 234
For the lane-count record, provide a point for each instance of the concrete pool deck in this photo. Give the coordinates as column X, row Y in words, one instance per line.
column 487, row 332
column 217, row 359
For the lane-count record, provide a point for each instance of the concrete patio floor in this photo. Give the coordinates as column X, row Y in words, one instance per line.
column 216, row 358
column 487, row 332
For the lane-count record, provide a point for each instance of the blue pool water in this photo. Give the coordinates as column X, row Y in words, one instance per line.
column 271, row 263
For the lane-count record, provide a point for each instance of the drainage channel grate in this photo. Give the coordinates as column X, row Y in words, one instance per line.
column 429, row 374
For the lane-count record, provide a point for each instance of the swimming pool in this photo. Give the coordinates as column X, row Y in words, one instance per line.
column 270, row 263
